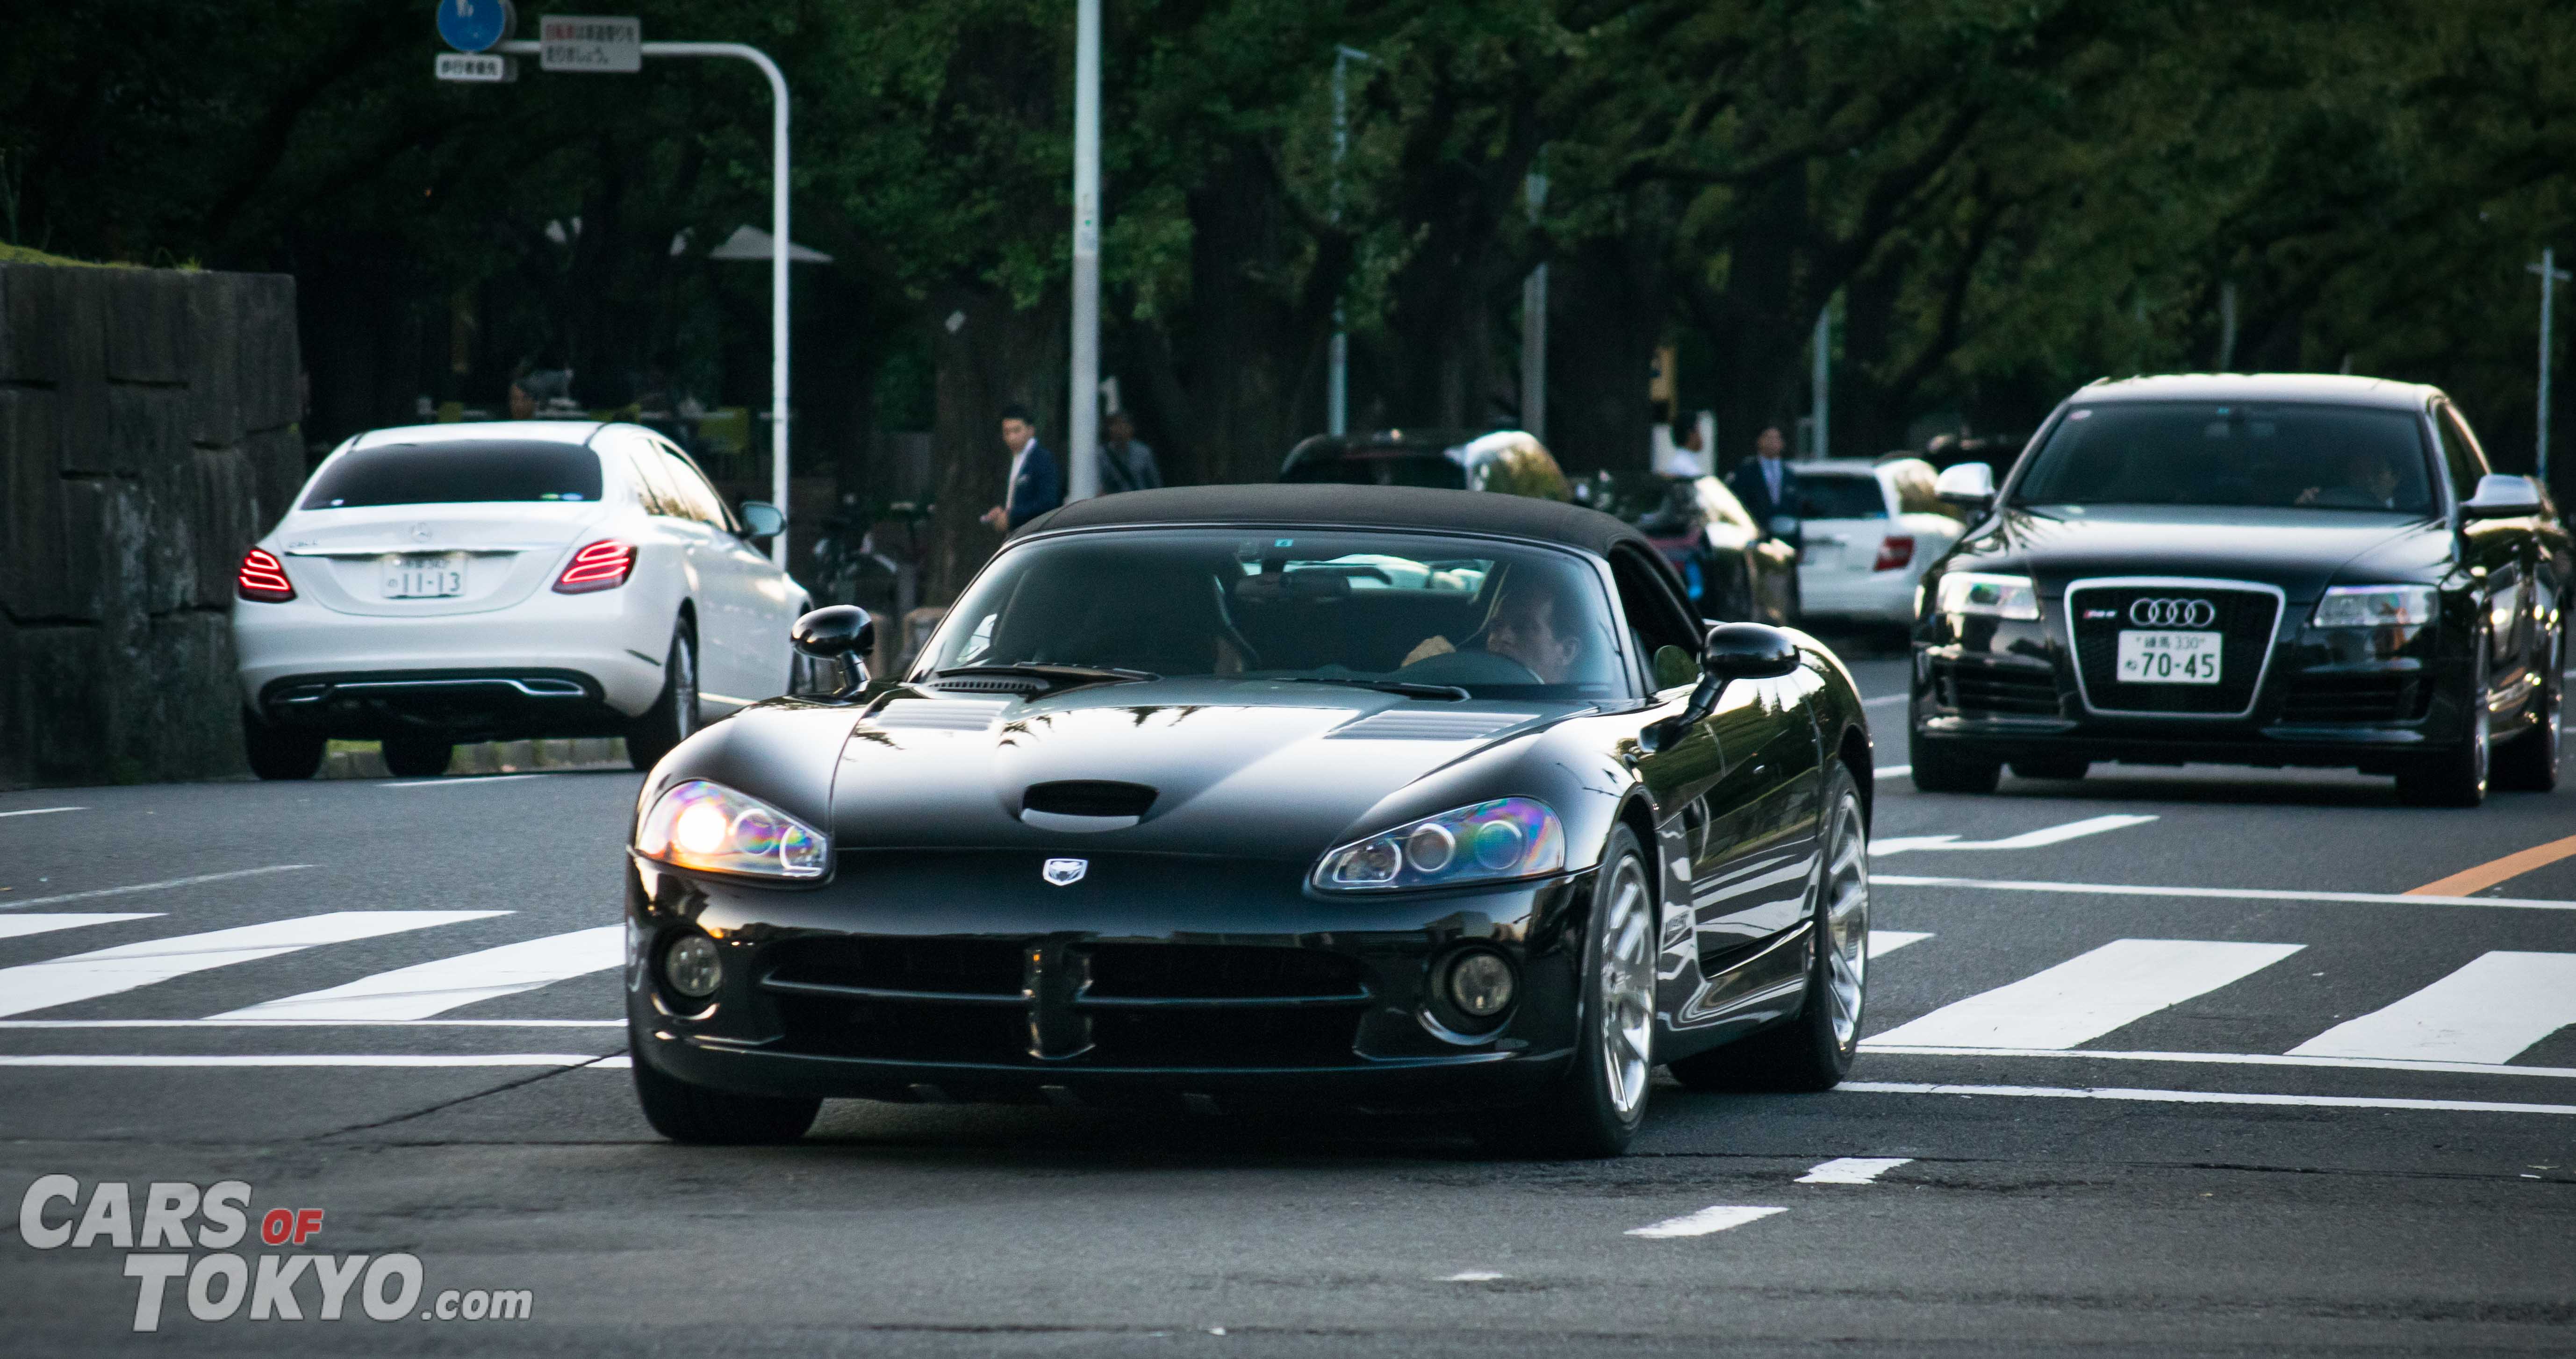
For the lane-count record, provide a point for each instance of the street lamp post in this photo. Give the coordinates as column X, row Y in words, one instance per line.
column 2550, row 277
column 1083, row 437
column 1534, row 328
column 1337, row 374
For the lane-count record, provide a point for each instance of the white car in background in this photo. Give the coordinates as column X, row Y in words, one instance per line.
column 1869, row 529
column 499, row 581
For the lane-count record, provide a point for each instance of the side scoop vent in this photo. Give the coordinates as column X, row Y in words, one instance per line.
column 1404, row 725
column 935, row 714
column 1080, row 805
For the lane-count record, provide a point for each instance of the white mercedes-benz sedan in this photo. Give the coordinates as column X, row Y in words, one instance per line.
column 500, row 581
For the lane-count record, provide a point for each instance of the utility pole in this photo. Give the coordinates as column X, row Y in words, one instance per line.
column 1824, row 372
column 1337, row 372
column 1083, row 438
column 2550, row 277
column 1534, row 329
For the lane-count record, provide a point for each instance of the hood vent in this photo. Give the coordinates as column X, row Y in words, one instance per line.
column 1402, row 725
column 938, row 714
column 989, row 684
column 1079, row 805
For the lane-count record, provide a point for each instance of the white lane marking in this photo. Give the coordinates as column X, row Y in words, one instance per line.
column 1853, row 1170
column 435, row 987
column 1883, row 700
column 2111, row 889
column 2468, row 1106
column 42, row 811
column 1472, row 1276
column 2050, row 835
column 1705, row 1221
column 353, row 1059
column 2227, row 1059
column 2090, row 994
column 162, row 886
column 107, row 971
column 1895, row 771
column 312, row 1023
column 2488, row 1011
column 1885, row 942
column 43, row 922
column 464, row 781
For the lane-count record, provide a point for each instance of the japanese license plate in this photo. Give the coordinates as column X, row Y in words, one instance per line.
column 425, row 576
column 2169, row 657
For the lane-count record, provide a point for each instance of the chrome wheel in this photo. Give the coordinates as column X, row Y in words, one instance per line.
column 684, row 689
column 1627, row 988
column 1843, row 918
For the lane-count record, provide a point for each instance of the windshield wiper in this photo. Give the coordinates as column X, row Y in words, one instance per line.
column 1408, row 688
column 1062, row 674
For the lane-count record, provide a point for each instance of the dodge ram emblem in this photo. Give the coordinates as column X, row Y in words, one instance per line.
column 1066, row 872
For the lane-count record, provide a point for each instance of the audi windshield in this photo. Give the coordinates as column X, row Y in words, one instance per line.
column 2280, row 456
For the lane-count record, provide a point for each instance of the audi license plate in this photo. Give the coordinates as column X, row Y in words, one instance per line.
column 2169, row 657
column 435, row 576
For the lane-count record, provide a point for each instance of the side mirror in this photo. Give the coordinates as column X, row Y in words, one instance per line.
column 1970, row 485
column 760, row 519
column 1734, row 651
column 2503, row 497
column 838, row 632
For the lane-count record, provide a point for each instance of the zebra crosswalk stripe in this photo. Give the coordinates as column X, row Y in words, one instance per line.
column 107, row 971
column 432, row 988
column 2488, row 1011
column 12, row 926
column 2089, row 995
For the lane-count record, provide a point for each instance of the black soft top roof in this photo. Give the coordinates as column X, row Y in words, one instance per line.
column 1396, row 507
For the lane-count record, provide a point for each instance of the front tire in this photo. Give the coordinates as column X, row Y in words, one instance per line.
column 2455, row 777
column 1938, row 769
column 699, row 1116
column 674, row 715
column 2529, row 763
column 1813, row 1051
column 1597, row 1108
column 281, row 753
column 417, row 757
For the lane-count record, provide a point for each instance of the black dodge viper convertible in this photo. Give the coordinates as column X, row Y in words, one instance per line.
column 1384, row 797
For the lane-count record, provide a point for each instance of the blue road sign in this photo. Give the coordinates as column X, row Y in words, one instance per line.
column 474, row 25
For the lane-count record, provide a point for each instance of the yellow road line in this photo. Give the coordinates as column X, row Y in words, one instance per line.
column 2487, row 875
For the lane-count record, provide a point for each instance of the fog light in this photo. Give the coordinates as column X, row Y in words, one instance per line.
column 1480, row 983
column 692, row 966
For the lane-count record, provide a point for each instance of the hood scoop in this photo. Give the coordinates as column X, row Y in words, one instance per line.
column 1081, row 805
column 938, row 714
column 1016, row 685
column 1397, row 724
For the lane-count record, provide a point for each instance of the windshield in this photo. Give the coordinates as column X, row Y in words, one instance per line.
column 2193, row 453
column 1827, row 495
column 1495, row 620
column 456, row 473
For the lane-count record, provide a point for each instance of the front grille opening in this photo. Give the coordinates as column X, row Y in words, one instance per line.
column 1220, row 971
column 1088, row 797
column 989, row 967
column 1225, row 1038
column 903, row 1031
column 2344, row 699
column 2245, row 621
column 1995, row 690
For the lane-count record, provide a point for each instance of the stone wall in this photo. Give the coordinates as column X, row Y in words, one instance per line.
column 147, row 436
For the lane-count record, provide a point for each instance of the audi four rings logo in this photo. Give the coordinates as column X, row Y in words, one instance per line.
column 2172, row 613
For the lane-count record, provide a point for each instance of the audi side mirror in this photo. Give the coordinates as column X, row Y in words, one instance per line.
column 839, row 632
column 1970, row 485
column 761, row 520
column 2503, row 497
column 1733, row 651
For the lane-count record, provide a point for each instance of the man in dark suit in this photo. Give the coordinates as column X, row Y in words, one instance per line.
column 1035, row 485
column 1768, row 486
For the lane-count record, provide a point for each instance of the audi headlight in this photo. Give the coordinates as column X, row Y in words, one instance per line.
column 2375, row 606
column 705, row 825
column 1513, row 837
column 1979, row 592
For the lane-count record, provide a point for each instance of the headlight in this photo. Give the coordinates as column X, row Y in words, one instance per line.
column 2375, row 606
column 705, row 825
column 1513, row 837
column 1995, row 596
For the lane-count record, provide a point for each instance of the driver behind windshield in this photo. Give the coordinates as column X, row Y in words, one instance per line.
column 2369, row 482
column 1533, row 623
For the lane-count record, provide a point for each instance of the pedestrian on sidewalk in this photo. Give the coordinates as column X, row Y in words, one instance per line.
column 1768, row 486
column 1126, row 464
column 1035, row 485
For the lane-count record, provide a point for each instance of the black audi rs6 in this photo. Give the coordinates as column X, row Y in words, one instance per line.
column 1391, row 798
column 2256, row 570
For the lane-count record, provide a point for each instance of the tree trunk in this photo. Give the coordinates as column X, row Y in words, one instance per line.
column 994, row 356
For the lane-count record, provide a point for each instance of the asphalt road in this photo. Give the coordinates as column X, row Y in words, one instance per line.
column 2119, row 1154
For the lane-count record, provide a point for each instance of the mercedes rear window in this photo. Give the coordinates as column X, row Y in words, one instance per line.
column 456, row 473
column 1826, row 495
column 2266, row 455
